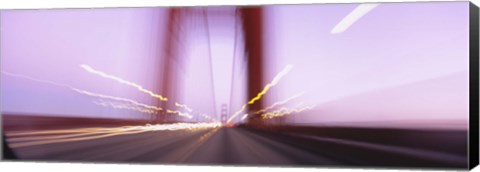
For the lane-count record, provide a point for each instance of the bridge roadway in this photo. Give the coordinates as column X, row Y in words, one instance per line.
column 238, row 146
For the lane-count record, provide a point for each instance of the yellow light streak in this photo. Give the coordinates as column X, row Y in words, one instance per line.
column 128, row 106
column 183, row 106
column 84, row 92
column 32, row 138
column 116, row 98
column 236, row 113
column 132, row 84
column 285, row 111
column 122, row 81
column 279, row 103
column 196, row 145
column 179, row 113
column 42, row 142
column 271, row 84
column 267, row 87
column 92, row 94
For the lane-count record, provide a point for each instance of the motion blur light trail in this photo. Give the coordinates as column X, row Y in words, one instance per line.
column 179, row 113
column 144, row 108
column 122, row 81
column 36, row 80
column 285, row 111
column 206, row 116
column 267, row 87
column 244, row 116
column 148, row 127
column 282, row 112
column 118, row 105
column 84, row 92
column 137, row 86
column 194, row 146
column 274, row 82
column 279, row 103
column 32, row 138
column 45, row 140
column 116, row 98
column 183, row 106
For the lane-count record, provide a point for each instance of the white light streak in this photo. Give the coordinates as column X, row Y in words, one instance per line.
column 352, row 17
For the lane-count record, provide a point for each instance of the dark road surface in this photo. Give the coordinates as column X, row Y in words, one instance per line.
column 241, row 145
column 237, row 146
column 208, row 146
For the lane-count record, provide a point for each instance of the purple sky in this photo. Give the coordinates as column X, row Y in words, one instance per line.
column 400, row 61
column 205, row 80
column 125, row 42
column 51, row 44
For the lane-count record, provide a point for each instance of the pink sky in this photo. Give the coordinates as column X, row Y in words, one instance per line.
column 400, row 61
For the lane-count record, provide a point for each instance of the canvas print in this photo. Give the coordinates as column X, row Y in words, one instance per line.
column 323, row 85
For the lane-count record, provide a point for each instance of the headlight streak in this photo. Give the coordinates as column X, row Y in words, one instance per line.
column 144, row 108
column 155, row 108
column 285, row 111
column 274, row 82
column 279, row 103
column 46, row 141
column 244, row 117
column 32, row 138
column 122, row 81
column 353, row 17
column 267, row 87
column 128, row 106
column 98, row 95
column 36, row 80
column 183, row 106
column 116, row 98
column 84, row 92
column 138, row 87
column 206, row 116
column 179, row 113
column 274, row 105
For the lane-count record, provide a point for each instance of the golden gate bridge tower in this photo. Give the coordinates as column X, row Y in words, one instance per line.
column 223, row 113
